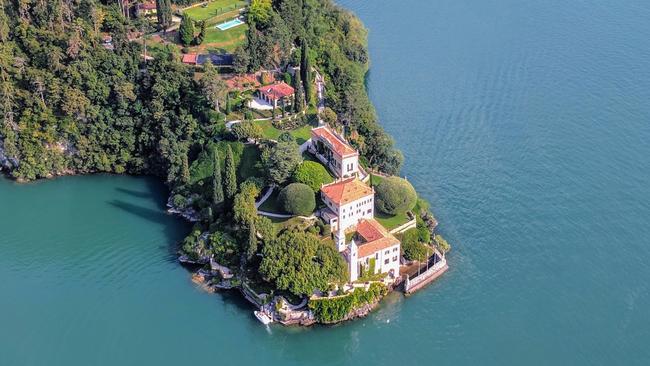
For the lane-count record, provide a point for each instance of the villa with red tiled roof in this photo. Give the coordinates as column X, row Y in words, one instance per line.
column 333, row 151
column 279, row 94
column 373, row 249
column 146, row 9
column 347, row 201
column 349, row 211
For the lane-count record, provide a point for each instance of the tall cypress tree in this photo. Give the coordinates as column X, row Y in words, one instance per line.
column 230, row 181
column 299, row 96
column 164, row 13
column 186, row 31
column 252, row 241
column 305, row 70
column 217, row 188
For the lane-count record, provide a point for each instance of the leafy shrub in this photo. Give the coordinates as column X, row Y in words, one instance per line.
column 395, row 195
column 442, row 244
column 246, row 130
column 179, row 201
column 327, row 230
column 412, row 247
column 424, row 235
column 336, row 309
column 312, row 174
column 298, row 199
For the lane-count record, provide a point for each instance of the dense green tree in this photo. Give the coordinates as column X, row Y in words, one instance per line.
column 260, row 12
column 186, row 30
column 230, row 177
column 217, row 186
column 329, row 117
column 395, row 195
column 164, row 13
column 305, row 70
column 244, row 203
column 251, row 248
column 412, row 248
column 246, row 130
column 300, row 263
column 201, row 36
column 297, row 199
column 280, row 160
column 213, row 86
column 299, row 102
column 286, row 137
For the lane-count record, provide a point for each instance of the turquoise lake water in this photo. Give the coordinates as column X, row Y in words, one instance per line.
column 525, row 123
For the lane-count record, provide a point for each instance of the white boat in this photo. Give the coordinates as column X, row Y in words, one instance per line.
column 262, row 316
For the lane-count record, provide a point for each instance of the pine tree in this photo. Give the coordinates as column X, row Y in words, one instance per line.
column 186, row 30
column 230, row 181
column 217, row 188
column 252, row 241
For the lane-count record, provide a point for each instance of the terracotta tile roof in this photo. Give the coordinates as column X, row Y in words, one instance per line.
column 346, row 191
column 338, row 145
column 147, row 6
column 242, row 82
column 190, row 58
column 375, row 237
column 277, row 91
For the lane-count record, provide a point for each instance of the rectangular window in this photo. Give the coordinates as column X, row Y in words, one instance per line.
column 394, row 249
column 376, row 255
column 386, row 261
column 369, row 211
column 395, row 259
column 387, row 252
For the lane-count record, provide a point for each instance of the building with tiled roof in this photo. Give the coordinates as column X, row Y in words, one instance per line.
column 146, row 9
column 374, row 248
column 349, row 200
column 333, row 151
column 279, row 94
column 190, row 58
column 350, row 210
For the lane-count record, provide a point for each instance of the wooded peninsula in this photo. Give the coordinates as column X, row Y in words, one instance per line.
column 256, row 116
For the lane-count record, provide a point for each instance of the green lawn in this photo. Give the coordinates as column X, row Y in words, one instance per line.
column 214, row 8
column 271, row 204
column 247, row 159
column 388, row 221
column 249, row 165
column 391, row 222
column 227, row 40
column 301, row 134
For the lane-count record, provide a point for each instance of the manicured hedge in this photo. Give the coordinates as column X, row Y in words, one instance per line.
column 298, row 199
column 312, row 174
column 395, row 195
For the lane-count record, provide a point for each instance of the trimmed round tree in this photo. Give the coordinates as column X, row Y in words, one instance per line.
column 312, row 174
column 395, row 195
column 297, row 199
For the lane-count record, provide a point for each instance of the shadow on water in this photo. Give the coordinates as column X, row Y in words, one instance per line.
column 175, row 229
column 134, row 193
column 148, row 214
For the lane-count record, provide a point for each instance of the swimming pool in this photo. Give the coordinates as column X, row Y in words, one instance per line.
column 230, row 24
